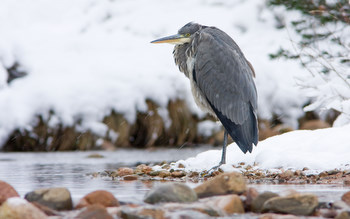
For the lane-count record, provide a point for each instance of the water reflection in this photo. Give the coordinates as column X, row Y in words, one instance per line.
column 29, row 171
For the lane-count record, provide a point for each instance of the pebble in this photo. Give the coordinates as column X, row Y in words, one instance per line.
column 226, row 183
column 143, row 169
column 130, row 177
column 178, row 173
column 6, row 191
column 95, row 211
column 18, row 208
column 297, row 204
column 170, row 192
column 101, row 197
column 164, row 173
column 123, row 171
column 250, row 195
column 258, row 202
column 343, row 215
column 54, row 198
column 229, row 204
column 203, row 207
column 346, row 198
column 142, row 212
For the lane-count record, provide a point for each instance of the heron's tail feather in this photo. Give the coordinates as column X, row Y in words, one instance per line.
column 246, row 134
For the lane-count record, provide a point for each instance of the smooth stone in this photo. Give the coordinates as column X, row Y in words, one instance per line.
column 227, row 183
column 258, row 203
column 346, row 198
column 6, row 191
column 95, row 211
column 343, row 215
column 18, row 208
column 141, row 213
column 229, row 204
column 123, row 171
column 54, row 198
column 250, row 195
column 297, row 204
column 170, row 192
column 205, row 208
column 101, row 197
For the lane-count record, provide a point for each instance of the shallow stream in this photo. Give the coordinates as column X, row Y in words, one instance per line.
column 33, row 170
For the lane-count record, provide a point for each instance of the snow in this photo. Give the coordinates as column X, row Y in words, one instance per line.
column 86, row 58
column 318, row 150
column 16, row 201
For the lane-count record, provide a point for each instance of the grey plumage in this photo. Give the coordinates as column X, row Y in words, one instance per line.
column 221, row 79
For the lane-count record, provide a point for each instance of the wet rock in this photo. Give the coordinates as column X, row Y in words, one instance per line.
column 340, row 205
column 203, row 207
column 286, row 174
column 229, row 204
column 178, row 173
column 6, row 191
column 123, row 171
column 48, row 211
column 18, row 208
column 141, row 213
column 164, row 173
column 251, row 194
column 93, row 212
column 277, row 216
column 327, row 213
column 130, row 177
column 343, row 215
column 102, row 197
column 171, row 192
column 95, row 155
column 54, row 198
column 187, row 214
column 298, row 204
column 346, row 198
column 227, row 183
column 143, row 169
column 258, row 202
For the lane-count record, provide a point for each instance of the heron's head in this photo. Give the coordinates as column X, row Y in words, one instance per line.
column 183, row 35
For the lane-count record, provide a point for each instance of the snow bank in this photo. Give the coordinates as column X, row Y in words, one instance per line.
column 322, row 149
column 85, row 58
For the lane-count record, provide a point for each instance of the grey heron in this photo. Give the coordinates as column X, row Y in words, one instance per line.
column 221, row 80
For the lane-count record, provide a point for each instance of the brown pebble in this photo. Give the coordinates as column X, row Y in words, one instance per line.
column 164, row 173
column 181, row 165
column 178, row 173
column 94, row 211
column 346, row 198
column 130, row 177
column 123, row 171
column 143, row 168
column 101, row 197
column 6, row 191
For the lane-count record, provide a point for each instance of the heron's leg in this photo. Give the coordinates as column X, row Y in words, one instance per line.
column 223, row 155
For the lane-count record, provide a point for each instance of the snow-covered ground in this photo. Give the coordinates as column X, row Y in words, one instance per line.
column 87, row 57
column 319, row 150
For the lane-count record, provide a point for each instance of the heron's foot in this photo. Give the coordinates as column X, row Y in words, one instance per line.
column 214, row 168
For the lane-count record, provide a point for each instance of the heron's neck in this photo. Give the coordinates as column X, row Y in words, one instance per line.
column 181, row 57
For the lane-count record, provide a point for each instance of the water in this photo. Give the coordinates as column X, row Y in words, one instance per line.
column 29, row 171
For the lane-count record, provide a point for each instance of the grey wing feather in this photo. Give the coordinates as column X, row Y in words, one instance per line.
column 224, row 75
column 226, row 79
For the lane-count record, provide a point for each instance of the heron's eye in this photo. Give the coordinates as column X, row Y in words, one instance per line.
column 187, row 35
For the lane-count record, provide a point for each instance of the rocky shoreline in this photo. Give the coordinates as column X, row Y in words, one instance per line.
column 218, row 195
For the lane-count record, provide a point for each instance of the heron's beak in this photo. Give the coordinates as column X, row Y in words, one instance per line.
column 173, row 39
